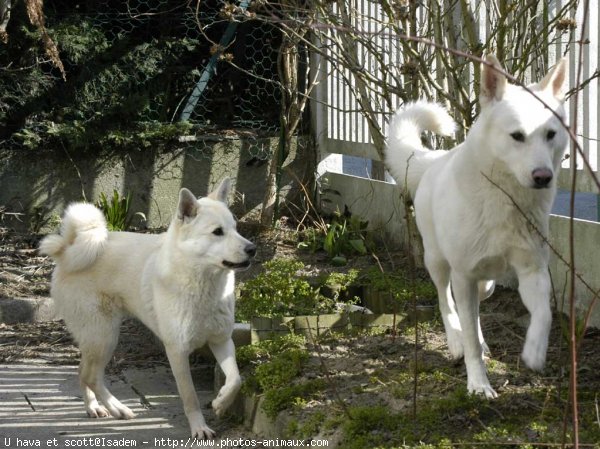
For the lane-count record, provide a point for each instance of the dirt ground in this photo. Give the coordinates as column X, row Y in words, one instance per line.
column 369, row 396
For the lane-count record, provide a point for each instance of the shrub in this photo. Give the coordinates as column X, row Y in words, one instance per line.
column 280, row 291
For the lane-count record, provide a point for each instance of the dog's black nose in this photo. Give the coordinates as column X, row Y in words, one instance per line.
column 541, row 177
column 250, row 250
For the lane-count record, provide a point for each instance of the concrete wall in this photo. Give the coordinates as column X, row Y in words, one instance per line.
column 587, row 263
column 39, row 184
column 380, row 203
column 376, row 201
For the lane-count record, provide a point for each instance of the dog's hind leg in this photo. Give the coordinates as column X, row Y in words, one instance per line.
column 224, row 353
column 97, row 346
column 439, row 270
column 535, row 290
column 467, row 302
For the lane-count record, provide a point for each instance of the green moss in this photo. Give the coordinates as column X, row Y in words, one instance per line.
column 279, row 364
column 311, row 426
column 459, row 418
column 284, row 397
column 280, row 370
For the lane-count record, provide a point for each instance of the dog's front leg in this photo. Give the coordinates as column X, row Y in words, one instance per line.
column 180, row 365
column 224, row 353
column 467, row 302
column 535, row 290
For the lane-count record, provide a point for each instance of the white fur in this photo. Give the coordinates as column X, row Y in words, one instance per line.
column 472, row 231
column 404, row 137
column 82, row 237
column 180, row 284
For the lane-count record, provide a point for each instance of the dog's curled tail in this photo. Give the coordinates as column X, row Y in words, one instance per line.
column 82, row 237
column 405, row 156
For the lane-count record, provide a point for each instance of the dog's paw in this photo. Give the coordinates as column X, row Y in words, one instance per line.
column 198, row 428
column 534, row 357
column 455, row 345
column 95, row 410
column 483, row 388
column 220, row 405
column 126, row 413
column 202, row 432
column 118, row 410
column 226, row 396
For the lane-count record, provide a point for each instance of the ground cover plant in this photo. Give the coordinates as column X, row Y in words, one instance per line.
column 369, row 390
column 358, row 390
column 342, row 236
column 281, row 290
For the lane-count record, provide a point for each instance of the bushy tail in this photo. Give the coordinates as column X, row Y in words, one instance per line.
column 82, row 237
column 405, row 156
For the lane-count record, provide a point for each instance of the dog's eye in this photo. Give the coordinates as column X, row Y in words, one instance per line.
column 550, row 134
column 218, row 231
column 518, row 136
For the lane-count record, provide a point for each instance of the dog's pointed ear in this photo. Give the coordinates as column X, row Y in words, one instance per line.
column 555, row 79
column 493, row 81
column 221, row 193
column 188, row 205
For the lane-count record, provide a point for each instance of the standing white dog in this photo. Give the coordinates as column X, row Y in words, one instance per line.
column 465, row 209
column 180, row 284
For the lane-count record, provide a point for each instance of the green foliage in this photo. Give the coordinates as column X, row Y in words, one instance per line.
column 28, row 138
column 120, row 89
column 79, row 40
column 565, row 328
column 346, row 235
column 457, row 418
column 309, row 427
column 339, row 283
column 369, row 426
column 116, row 211
column 280, row 291
column 282, row 398
column 400, row 284
column 281, row 369
column 311, row 239
column 79, row 134
column 267, row 349
column 279, row 363
column 378, row 426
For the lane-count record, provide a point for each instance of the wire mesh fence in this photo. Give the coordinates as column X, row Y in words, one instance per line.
column 130, row 69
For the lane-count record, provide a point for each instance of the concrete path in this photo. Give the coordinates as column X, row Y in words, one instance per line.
column 40, row 403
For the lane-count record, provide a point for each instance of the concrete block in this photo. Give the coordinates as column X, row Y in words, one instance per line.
column 26, row 310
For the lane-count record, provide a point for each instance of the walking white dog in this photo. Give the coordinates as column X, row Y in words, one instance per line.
column 465, row 208
column 180, row 284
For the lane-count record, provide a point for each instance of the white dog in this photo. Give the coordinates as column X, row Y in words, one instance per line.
column 180, row 284
column 469, row 205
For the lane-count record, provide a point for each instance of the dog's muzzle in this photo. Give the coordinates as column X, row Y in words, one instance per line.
column 542, row 177
column 250, row 251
